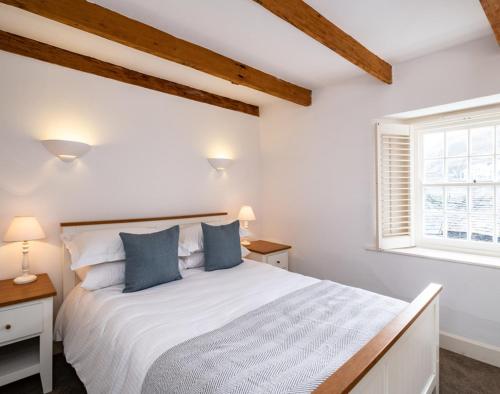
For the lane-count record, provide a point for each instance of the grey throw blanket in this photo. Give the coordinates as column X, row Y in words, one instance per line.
column 290, row 345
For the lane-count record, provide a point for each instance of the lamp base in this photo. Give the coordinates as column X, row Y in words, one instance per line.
column 25, row 278
column 245, row 242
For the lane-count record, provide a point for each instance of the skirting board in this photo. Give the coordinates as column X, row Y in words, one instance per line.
column 478, row 351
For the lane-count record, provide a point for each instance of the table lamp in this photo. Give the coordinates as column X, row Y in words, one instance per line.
column 246, row 214
column 24, row 229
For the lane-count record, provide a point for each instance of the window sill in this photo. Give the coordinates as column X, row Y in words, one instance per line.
column 445, row 255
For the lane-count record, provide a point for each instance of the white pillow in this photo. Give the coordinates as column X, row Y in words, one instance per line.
column 197, row 259
column 102, row 246
column 82, row 272
column 191, row 236
column 244, row 251
column 103, row 275
column 194, row 260
column 95, row 277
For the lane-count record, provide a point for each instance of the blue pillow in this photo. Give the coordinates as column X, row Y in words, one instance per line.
column 221, row 245
column 150, row 259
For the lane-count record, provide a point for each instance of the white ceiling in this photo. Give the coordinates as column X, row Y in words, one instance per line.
column 396, row 30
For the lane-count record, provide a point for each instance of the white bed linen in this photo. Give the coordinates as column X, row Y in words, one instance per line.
column 112, row 338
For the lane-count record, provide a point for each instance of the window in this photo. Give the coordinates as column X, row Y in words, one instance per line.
column 439, row 184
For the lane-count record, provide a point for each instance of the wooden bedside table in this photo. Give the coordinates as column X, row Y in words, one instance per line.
column 269, row 253
column 26, row 330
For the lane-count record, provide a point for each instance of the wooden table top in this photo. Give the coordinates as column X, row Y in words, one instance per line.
column 266, row 247
column 10, row 293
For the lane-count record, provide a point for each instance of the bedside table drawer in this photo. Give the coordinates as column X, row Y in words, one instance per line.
column 279, row 260
column 19, row 322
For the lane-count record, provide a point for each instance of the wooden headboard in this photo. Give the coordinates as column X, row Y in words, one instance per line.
column 69, row 277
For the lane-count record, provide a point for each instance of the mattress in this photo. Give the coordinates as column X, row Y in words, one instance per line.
column 112, row 338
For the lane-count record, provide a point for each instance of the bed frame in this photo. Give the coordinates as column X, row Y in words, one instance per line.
column 402, row 358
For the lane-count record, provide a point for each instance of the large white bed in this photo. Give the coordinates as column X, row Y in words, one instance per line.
column 112, row 338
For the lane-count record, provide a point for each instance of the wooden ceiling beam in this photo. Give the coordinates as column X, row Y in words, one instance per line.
column 305, row 18
column 492, row 10
column 98, row 20
column 37, row 50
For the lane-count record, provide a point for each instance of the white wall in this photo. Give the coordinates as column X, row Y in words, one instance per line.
column 317, row 190
column 319, row 184
column 149, row 157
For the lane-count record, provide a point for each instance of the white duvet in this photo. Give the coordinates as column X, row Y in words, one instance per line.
column 112, row 338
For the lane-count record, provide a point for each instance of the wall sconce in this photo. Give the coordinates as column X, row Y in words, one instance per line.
column 220, row 164
column 67, row 151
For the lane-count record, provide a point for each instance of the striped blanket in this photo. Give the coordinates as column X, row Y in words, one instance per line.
column 290, row 345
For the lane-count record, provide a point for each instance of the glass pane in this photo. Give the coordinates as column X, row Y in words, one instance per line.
column 434, row 223
column 456, row 199
column 433, row 145
column 498, row 167
column 481, row 141
column 457, row 225
column 481, row 198
column 498, row 139
column 481, row 169
column 498, row 228
column 433, row 198
column 481, row 227
column 434, row 171
column 498, row 213
column 456, row 170
column 456, row 143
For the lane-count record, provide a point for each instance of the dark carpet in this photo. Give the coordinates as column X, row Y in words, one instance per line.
column 458, row 375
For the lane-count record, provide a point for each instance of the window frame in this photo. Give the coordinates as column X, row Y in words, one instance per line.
column 469, row 120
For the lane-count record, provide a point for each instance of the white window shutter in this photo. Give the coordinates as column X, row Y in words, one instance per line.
column 395, row 153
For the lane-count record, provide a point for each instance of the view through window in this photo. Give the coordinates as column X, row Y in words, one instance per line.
column 460, row 186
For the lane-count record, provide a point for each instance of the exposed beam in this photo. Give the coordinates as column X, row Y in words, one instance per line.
column 26, row 47
column 492, row 11
column 311, row 22
column 119, row 28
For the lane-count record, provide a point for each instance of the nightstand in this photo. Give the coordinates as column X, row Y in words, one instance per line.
column 270, row 253
column 26, row 330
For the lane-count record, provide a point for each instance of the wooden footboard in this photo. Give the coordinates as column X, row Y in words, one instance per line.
column 402, row 358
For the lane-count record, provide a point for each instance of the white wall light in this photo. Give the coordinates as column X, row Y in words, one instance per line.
column 66, row 150
column 220, row 164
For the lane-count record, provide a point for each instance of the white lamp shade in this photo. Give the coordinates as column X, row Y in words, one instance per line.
column 246, row 213
column 66, row 150
column 24, row 228
column 220, row 164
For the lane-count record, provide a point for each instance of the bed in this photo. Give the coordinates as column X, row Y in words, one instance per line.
column 163, row 336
